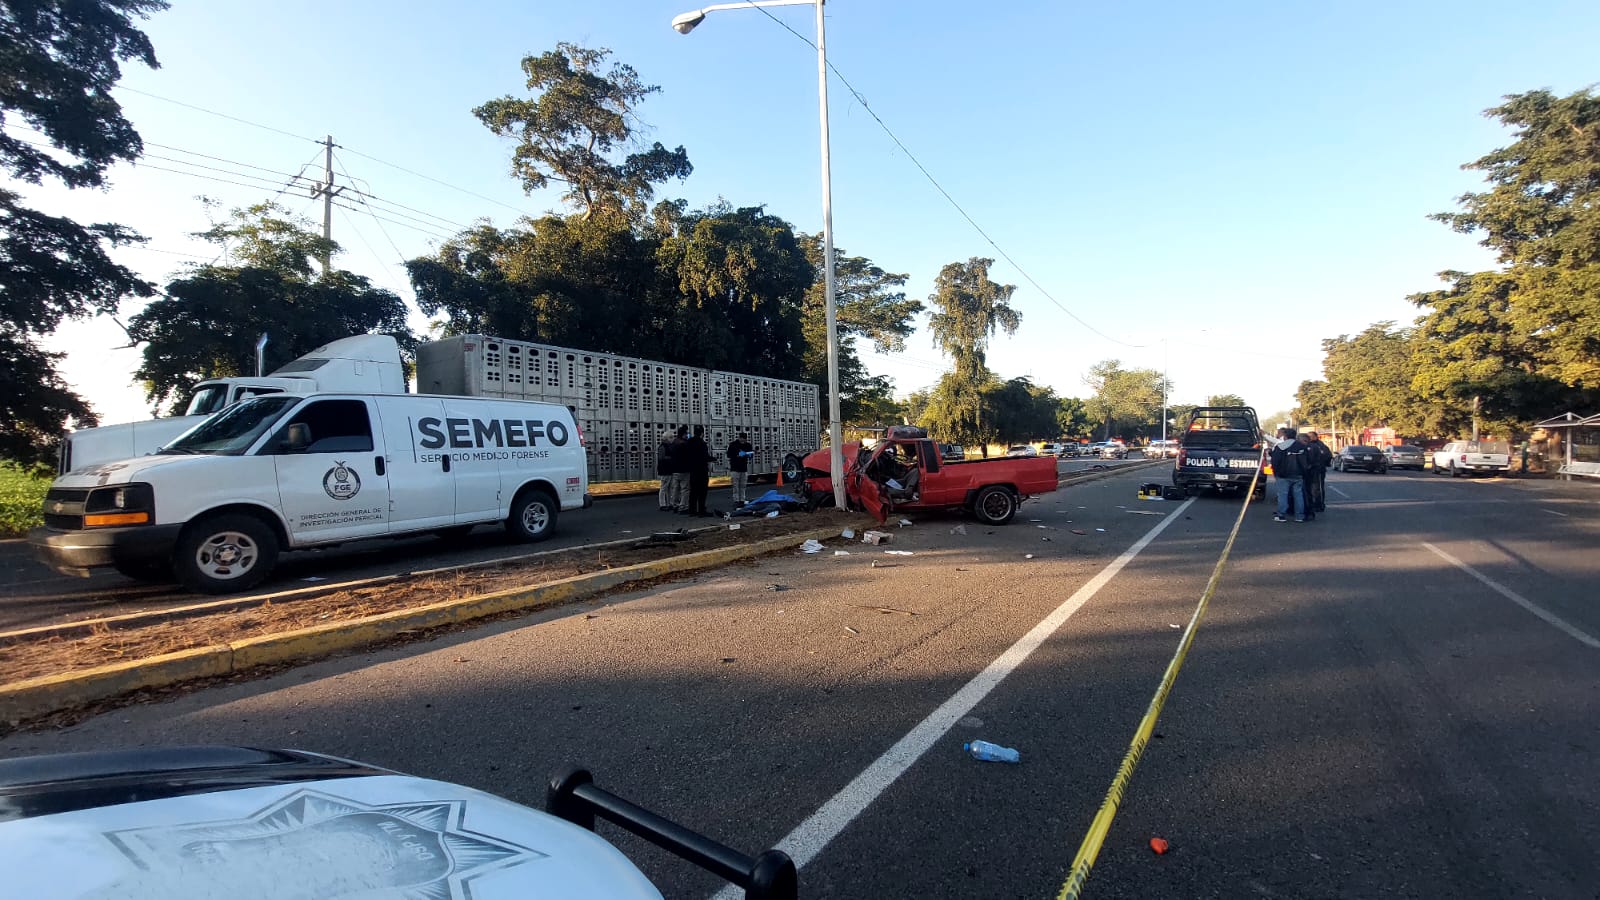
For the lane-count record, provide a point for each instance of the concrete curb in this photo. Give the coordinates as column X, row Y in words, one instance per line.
column 35, row 697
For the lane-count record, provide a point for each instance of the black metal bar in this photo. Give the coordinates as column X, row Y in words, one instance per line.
column 573, row 796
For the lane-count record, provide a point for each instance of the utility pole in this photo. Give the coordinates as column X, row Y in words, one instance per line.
column 327, row 192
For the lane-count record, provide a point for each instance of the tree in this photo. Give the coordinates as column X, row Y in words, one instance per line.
column 59, row 63
column 1518, row 343
column 205, row 325
column 1368, row 381
column 871, row 303
column 968, row 309
column 1130, row 397
column 1072, row 418
column 1225, row 400
column 569, row 133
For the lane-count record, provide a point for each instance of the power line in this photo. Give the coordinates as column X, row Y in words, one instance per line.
column 946, row 194
column 212, row 112
column 367, row 195
column 435, row 180
column 382, row 266
column 362, row 198
column 430, row 233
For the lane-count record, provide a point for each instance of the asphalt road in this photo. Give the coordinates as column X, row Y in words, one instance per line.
column 31, row 594
column 1359, row 717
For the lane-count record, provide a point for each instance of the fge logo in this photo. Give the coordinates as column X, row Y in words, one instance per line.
column 341, row 482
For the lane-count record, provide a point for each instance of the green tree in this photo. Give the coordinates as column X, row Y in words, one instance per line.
column 573, row 130
column 968, row 309
column 1368, row 381
column 205, row 324
column 1225, row 400
column 1521, row 342
column 871, row 303
column 1127, row 397
column 1072, row 418
column 58, row 65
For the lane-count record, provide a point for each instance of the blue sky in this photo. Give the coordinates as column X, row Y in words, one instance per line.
column 1214, row 188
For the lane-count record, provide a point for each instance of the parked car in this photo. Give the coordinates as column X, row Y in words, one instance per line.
column 1049, row 449
column 1359, row 457
column 1469, row 457
column 1070, row 451
column 952, row 452
column 1405, row 456
column 1021, row 450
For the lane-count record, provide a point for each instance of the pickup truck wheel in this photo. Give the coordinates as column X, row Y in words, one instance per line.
column 533, row 516
column 792, row 470
column 1454, row 472
column 225, row 553
column 994, row 505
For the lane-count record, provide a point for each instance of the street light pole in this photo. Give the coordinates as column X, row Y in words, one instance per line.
column 685, row 23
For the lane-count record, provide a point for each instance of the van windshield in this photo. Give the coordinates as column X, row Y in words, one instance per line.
column 232, row 431
column 207, row 399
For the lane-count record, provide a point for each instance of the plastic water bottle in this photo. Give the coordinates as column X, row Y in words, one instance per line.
column 983, row 750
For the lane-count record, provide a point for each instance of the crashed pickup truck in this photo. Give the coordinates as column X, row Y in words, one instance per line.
column 1219, row 450
column 905, row 472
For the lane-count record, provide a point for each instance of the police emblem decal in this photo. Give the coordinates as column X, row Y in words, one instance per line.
column 341, row 482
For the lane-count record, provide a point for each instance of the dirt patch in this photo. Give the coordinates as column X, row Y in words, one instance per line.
column 103, row 645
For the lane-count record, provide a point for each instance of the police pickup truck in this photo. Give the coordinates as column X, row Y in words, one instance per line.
column 1219, row 450
column 216, row 506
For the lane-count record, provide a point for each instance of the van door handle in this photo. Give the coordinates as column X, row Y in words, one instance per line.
column 377, row 465
column 446, row 459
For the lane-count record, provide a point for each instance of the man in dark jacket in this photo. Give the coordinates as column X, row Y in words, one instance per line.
column 678, row 456
column 739, row 453
column 1319, row 458
column 698, row 457
column 664, row 471
column 1289, row 466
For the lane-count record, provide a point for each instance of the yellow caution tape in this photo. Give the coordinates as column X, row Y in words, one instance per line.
column 1089, row 850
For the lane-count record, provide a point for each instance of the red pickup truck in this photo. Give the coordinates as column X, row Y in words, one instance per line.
column 904, row 472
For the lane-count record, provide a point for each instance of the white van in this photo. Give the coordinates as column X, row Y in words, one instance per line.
column 217, row 505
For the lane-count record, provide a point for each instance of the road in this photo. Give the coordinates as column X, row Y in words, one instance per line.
column 32, row 595
column 1360, row 716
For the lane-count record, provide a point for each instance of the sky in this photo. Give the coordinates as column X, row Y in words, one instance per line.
column 1208, row 190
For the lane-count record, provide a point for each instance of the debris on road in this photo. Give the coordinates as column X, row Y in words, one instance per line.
column 851, row 630
column 1145, row 512
column 889, row 609
column 1079, row 531
column 841, row 553
column 848, row 534
column 899, row 553
column 1159, row 845
column 812, row 545
column 959, row 529
column 777, row 587
column 904, row 523
column 1027, row 556
column 877, row 537
column 729, row 659
column 1099, row 529
column 772, row 515
column 735, row 527
column 987, row 752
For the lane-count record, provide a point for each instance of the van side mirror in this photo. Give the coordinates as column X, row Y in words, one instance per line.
column 296, row 439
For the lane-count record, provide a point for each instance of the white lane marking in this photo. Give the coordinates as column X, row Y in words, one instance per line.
column 1517, row 598
column 1554, row 513
column 810, row 837
column 1336, row 490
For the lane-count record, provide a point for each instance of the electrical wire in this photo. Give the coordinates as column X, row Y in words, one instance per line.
column 436, row 181
column 212, row 112
column 430, row 233
column 362, row 198
column 946, row 194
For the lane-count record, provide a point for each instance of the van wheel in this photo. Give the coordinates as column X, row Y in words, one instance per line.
column 533, row 516
column 994, row 505
column 153, row 571
column 225, row 553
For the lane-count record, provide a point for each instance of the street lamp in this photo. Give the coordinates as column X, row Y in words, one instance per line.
column 685, row 23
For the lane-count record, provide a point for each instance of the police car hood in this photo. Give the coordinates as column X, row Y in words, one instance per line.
column 384, row 836
column 123, row 471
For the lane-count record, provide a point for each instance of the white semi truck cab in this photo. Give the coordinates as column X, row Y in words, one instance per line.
column 366, row 363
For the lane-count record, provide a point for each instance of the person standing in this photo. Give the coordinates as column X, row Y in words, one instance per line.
column 699, row 465
column 739, row 453
column 1289, row 466
column 679, row 500
column 1319, row 457
column 664, row 471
